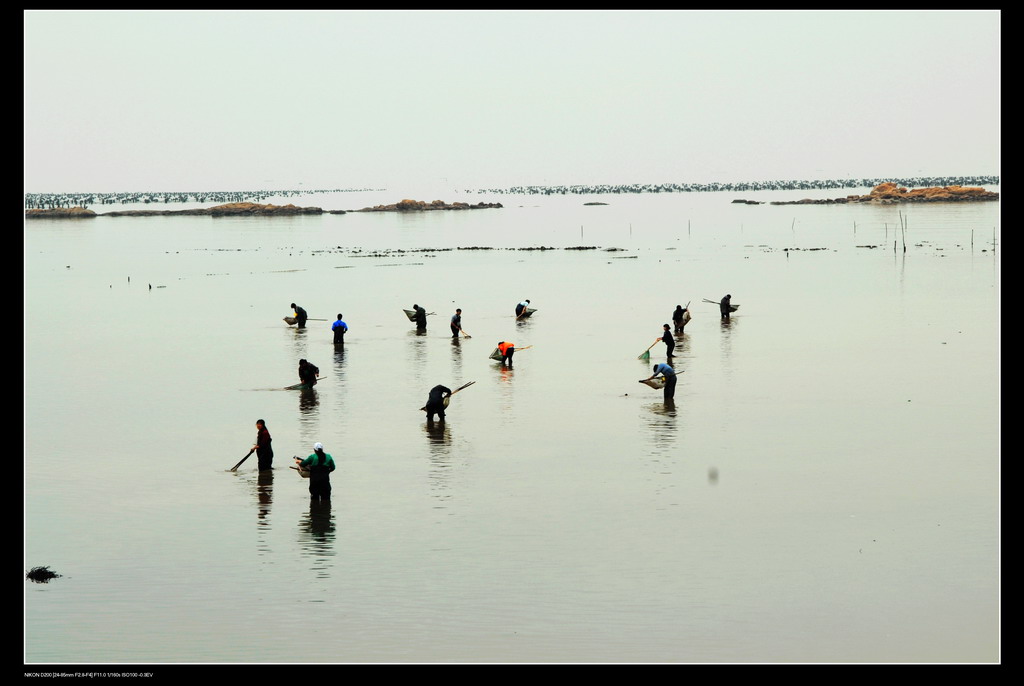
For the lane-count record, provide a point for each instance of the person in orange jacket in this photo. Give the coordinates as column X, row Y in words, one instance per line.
column 507, row 350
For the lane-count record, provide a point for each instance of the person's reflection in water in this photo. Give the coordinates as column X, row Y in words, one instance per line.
column 438, row 434
column 321, row 522
column 662, row 428
column 728, row 330
column 264, row 492
column 440, row 471
column 308, row 401
column 339, row 362
column 316, row 535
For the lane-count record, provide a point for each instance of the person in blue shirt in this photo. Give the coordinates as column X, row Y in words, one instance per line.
column 340, row 328
column 456, row 323
column 670, row 379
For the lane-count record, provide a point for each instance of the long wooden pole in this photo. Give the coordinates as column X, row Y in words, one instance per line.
column 243, row 460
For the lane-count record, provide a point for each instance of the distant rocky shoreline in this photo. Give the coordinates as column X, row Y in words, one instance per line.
column 884, row 193
column 890, row 193
column 235, row 209
column 420, row 206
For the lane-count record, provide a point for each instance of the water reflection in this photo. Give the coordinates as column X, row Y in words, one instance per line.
column 309, row 401
column 264, row 497
column 317, row 532
column 662, row 428
column 339, row 372
column 339, row 360
column 298, row 342
column 439, row 437
column 457, row 353
column 439, row 442
column 264, row 493
column 725, row 344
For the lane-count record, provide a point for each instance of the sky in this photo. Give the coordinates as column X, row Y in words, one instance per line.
column 192, row 100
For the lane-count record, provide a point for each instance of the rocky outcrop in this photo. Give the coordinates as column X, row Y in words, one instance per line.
column 890, row 193
column 60, row 213
column 231, row 209
column 421, row 206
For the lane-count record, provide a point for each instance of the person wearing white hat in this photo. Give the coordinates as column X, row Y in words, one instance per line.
column 320, row 465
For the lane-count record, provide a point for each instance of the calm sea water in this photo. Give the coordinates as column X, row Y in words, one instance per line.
column 825, row 487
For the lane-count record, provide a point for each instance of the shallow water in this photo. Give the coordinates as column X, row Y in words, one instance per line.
column 823, row 489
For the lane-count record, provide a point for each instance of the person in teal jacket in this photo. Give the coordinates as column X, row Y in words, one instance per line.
column 320, row 465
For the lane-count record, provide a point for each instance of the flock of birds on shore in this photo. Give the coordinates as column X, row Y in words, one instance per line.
column 55, row 200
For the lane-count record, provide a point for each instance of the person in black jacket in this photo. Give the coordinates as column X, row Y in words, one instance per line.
column 679, row 318
column 421, row 318
column 725, row 307
column 300, row 316
column 668, row 340
column 435, row 402
column 308, row 373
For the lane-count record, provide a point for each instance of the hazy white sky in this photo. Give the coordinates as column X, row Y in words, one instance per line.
column 244, row 100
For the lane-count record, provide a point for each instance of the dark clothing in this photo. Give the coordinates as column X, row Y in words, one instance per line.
column 300, row 317
column 340, row 328
column 725, row 306
column 421, row 318
column 678, row 318
column 670, row 386
column 307, row 373
column 670, row 379
column 320, row 468
column 669, row 341
column 264, row 453
column 506, row 350
column 435, row 402
column 456, row 325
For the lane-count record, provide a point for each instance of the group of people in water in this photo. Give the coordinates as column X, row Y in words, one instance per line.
column 320, row 464
column 680, row 317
